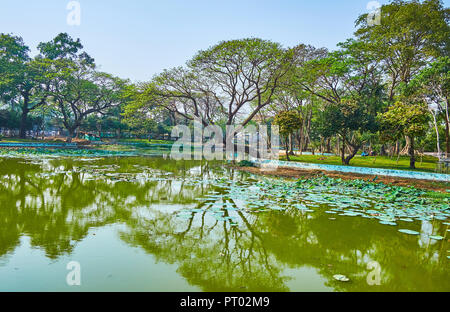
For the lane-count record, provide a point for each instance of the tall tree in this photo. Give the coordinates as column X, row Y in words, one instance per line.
column 243, row 72
column 230, row 82
column 22, row 79
column 432, row 84
column 288, row 122
column 410, row 34
column 349, row 84
column 293, row 96
column 404, row 119
column 79, row 91
column 76, row 88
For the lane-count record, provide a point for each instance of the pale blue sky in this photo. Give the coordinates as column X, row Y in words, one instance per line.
column 138, row 38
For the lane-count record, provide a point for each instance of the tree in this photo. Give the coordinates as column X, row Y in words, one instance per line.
column 22, row 79
column 76, row 88
column 243, row 72
column 230, row 81
column 61, row 47
column 187, row 93
column 433, row 85
column 79, row 91
column 350, row 120
column 349, row 84
column 293, row 96
column 409, row 35
column 405, row 119
column 288, row 122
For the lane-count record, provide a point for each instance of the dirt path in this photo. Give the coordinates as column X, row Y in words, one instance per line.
column 299, row 173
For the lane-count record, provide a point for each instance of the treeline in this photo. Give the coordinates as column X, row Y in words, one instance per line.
column 385, row 90
column 61, row 88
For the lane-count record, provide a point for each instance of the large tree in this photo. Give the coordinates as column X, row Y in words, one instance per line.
column 22, row 79
column 76, row 88
column 406, row 119
column 228, row 83
column 411, row 34
column 349, row 85
column 79, row 91
column 243, row 72
column 288, row 122
column 293, row 96
column 432, row 84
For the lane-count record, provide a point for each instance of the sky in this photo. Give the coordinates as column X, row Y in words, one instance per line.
column 137, row 39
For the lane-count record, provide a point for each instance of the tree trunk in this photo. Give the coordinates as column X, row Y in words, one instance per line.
column 338, row 144
column 447, row 139
column 23, row 121
column 70, row 136
column 343, row 152
column 447, row 130
column 438, row 141
column 354, row 151
column 412, row 156
column 300, row 141
column 287, row 149
column 291, row 141
column 300, row 144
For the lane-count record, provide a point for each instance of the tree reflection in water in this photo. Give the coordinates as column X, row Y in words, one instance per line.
column 56, row 202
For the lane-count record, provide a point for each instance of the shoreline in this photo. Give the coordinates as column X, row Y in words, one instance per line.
column 435, row 186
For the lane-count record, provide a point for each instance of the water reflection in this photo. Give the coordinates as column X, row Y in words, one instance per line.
column 57, row 202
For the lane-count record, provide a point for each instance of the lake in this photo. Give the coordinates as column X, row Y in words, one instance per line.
column 155, row 224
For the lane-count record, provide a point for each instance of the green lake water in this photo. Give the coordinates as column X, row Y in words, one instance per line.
column 154, row 224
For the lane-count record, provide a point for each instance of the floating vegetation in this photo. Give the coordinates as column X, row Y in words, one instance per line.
column 226, row 197
column 389, row 205
column 58, row 152
column 410, row 232
column 341, row 278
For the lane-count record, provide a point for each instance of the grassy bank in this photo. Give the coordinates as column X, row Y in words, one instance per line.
column 145, row 141
column 60, row 140
column 428, row 163
column 17, row 140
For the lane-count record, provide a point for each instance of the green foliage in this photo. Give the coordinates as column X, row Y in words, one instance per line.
column 9, row 119
column 349, row 115
column 288, row 122
column 64, row 47
column 405, row 119
column 410, row 32
column 316, row 95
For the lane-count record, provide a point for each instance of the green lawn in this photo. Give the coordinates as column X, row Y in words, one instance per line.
column 17, row 140
column 428, row 163
column 145, row 141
